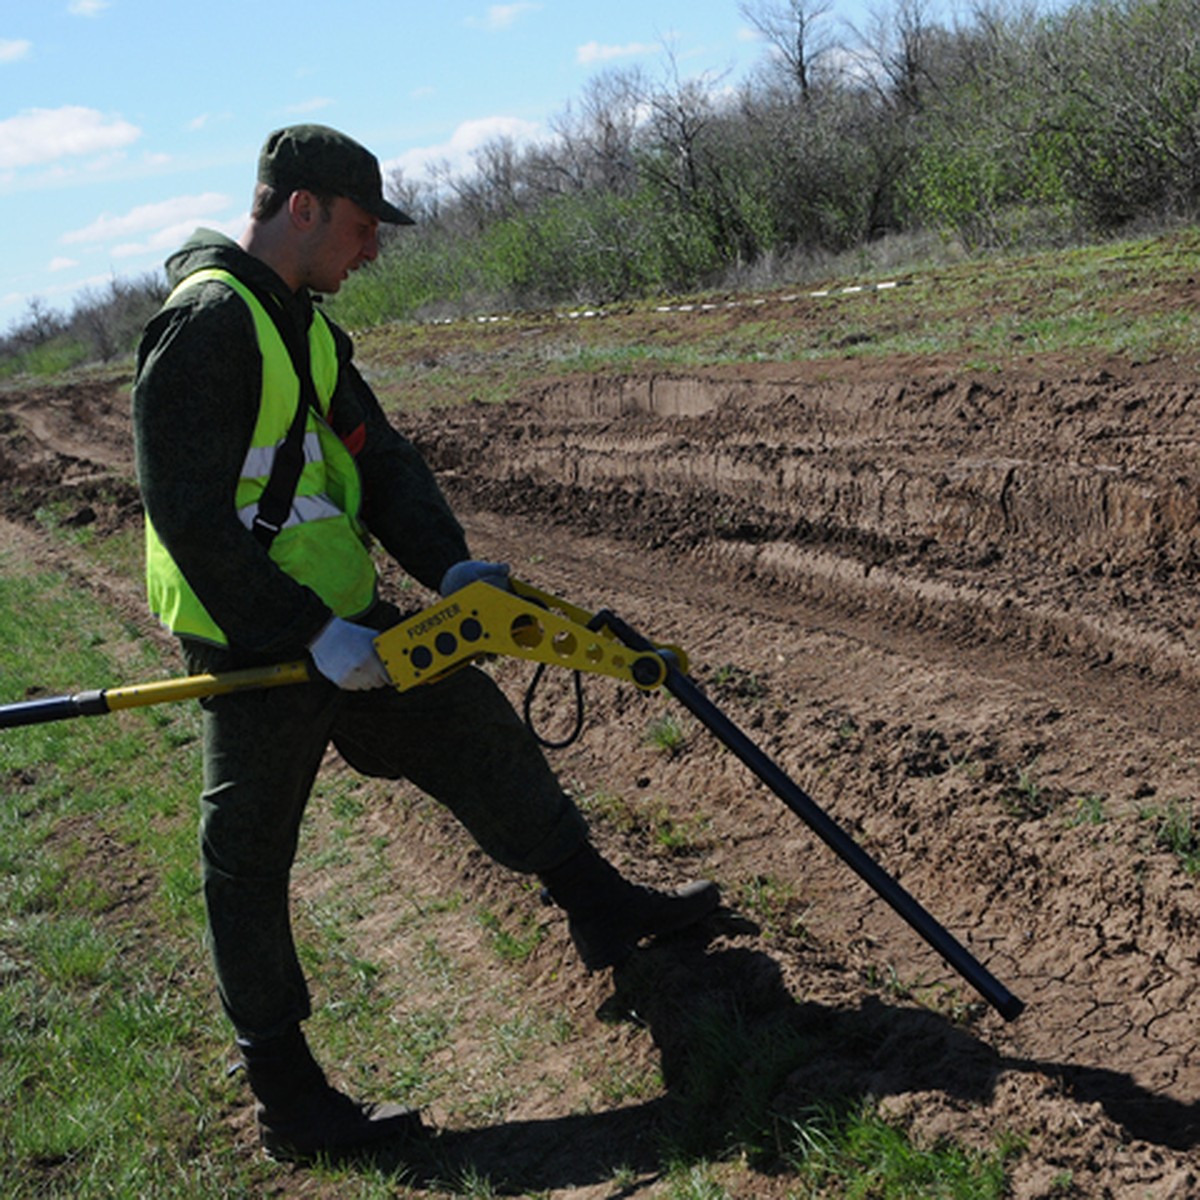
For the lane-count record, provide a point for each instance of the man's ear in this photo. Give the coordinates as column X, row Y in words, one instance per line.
column 302, row 207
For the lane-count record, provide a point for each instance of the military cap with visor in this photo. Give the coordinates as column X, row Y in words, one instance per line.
column 322, row 160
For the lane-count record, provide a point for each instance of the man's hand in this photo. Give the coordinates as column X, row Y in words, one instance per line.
column 345, row 654
column 471, row 570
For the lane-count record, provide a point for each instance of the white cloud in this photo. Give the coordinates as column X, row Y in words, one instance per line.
column 87, row 8
column 63, row 264
column 41, row 135
column 181, row 211
column 457, row 153
column 501, row 16
column 13, row 49
column 594, row 52
column 170, row 237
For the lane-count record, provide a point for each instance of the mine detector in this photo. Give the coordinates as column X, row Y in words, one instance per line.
column 482, row 621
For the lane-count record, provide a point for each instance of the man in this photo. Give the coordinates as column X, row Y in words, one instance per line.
column 265, row 463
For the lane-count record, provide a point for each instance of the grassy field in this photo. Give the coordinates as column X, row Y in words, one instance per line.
column 1117, row 298
column 113, row 1055
column 114, row 1059
column 108, row 1042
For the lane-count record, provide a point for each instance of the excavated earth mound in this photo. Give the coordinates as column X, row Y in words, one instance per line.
column 960, row 610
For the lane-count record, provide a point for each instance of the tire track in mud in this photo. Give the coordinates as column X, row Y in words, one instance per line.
column 966, row 609
column 991, row 589
column 1065, row 521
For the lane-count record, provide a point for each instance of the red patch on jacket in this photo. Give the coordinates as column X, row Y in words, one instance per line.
column 356, row 439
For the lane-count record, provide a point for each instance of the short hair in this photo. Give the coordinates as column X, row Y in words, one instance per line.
column 268, row 201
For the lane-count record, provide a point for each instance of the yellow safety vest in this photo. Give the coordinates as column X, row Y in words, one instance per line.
column 322, row 544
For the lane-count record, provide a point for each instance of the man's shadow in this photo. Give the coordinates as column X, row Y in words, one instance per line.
column 744, row 1061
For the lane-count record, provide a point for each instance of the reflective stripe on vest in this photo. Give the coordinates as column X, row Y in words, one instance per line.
column 322, row 543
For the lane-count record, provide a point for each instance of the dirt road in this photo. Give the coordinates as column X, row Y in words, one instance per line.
column 960, row 610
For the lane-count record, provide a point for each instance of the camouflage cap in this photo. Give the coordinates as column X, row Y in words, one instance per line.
column 323, row 160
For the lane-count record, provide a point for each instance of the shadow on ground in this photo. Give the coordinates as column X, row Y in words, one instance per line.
column 744, row 1062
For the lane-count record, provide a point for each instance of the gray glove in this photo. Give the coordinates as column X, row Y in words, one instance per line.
column 345, row 654
column 471, row 570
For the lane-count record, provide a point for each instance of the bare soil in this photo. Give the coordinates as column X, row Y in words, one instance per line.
column 960, row 610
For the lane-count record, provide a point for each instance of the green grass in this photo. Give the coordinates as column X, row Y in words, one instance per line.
column 650, row 817
column 731, row 682
column 772, row 903
column 853, row 1152
column 1089, row 810
column 51, row 358
column 1026, row 799
column 1119, row 297
column 513, row 942
column 107, row 1038
column 1176, row 830
column 666, row 734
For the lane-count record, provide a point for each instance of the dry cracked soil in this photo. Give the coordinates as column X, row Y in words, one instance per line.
column 959, row 609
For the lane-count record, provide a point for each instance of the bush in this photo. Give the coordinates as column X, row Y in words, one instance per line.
column 1011, row 129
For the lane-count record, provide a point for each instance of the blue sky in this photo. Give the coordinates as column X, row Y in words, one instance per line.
column 124, row 124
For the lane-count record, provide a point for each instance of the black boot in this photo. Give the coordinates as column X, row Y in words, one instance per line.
column 607, row 915
column 302, row 1117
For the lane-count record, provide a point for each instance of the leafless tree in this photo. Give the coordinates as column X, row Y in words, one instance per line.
column 39, row 324
column 415, row 197
column 110, row 319
column 893, row 53
column 595, row 142
column 799, row 35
